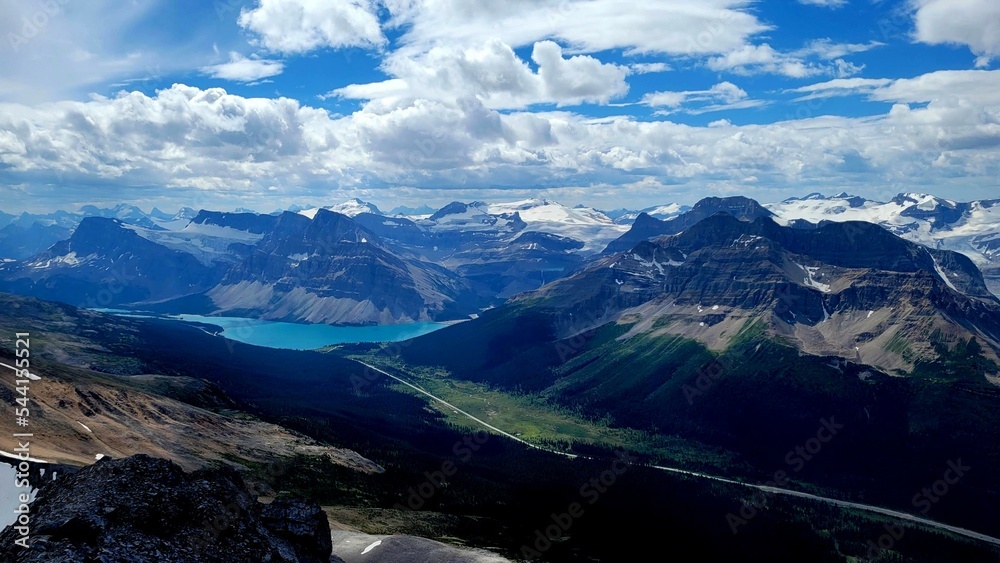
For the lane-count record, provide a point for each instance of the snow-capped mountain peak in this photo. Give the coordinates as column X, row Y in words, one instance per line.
column 585, row 224
column 351, row 208
column 816, row 196
column 662, row 212
column 186, row 213
column 925, row 202
column 542, row 210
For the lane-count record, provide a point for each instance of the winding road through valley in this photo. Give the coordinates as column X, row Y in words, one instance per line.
column 765, row 488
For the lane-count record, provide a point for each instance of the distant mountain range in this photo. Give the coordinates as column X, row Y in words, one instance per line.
column 343, row 264
column 24, row 235
column 108, row 263
column 972, row 228
column 350, row 263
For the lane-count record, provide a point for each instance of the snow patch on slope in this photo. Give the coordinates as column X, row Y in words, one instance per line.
column 944, row 275
column 209, row 244
column 811, row 281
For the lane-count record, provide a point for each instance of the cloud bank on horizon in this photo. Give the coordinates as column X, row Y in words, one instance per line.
column 262, row 103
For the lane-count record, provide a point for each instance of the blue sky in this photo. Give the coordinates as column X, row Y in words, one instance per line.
column 265, row 103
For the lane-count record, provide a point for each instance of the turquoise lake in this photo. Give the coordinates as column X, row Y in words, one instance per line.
column 294, row 336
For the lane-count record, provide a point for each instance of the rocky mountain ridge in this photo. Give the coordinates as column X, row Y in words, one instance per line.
column 847, row 289
column 646, row 226
column 332, row 270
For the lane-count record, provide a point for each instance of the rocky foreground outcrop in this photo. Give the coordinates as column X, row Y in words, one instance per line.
column 143, row 509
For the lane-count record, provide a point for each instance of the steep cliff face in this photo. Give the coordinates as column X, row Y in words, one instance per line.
column 147, row 509
column 332, row 270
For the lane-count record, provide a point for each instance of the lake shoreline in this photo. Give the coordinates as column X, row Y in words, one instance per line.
column 292, row 336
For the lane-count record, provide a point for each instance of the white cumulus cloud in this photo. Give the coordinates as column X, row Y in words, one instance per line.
column 300, row 26
column 590, row 26
column 497, row 76
column 975, row 23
